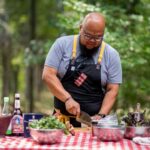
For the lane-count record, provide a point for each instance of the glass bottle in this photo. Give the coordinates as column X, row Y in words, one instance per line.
column 17, row 120
column 17, row 109
column 5, row 110
column 137, row 113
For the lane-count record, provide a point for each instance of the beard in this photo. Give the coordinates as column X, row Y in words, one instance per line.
column 87, row 52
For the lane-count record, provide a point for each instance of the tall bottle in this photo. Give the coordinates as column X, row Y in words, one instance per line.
column 137, row 113
column 17, row 120
column 5, row 110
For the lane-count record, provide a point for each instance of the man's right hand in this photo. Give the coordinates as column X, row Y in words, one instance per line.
column 72, row 107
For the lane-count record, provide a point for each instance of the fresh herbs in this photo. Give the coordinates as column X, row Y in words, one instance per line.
column 50, row 122
column 136, row 119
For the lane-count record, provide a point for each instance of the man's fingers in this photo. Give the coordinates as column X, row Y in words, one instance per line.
column 72, row 111
column 73, row 107
column 75, row 111
column 96, row 117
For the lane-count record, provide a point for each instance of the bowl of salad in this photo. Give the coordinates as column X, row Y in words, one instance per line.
column 47, row 130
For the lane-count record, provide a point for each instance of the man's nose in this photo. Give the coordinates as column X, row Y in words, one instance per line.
column 92, row 39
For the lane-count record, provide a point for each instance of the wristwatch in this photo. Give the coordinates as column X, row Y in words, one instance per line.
column 101, row 115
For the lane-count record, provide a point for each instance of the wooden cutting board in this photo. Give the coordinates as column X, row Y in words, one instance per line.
column 85, row 129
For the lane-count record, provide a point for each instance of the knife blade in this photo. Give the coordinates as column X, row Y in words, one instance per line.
column 84, row 118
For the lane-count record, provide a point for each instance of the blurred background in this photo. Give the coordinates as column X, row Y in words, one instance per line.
column 29, row 27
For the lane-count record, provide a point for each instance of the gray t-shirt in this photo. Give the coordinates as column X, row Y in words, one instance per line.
column 61, row 52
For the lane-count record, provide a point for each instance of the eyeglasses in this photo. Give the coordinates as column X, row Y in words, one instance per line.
column 90, row 37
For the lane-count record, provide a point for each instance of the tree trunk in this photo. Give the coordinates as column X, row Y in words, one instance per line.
column 5, row 52
column 15, row 75
column 38, row 81
column 29, row 69
column 29, row 87
column 6, row 73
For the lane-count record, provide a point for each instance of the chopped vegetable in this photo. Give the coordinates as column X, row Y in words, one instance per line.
column 70, row 128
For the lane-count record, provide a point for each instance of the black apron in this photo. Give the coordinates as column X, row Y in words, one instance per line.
column 83, row 81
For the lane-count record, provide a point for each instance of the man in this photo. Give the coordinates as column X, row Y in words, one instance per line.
column 83, row 72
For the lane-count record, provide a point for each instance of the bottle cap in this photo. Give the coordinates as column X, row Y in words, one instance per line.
column 6, row 99
column 17, row 95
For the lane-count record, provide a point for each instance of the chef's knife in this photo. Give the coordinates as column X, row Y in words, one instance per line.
column 84, row 118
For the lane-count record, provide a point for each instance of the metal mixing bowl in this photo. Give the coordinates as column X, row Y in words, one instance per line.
column 131, row 132
column 108, row 133
column 46, row 136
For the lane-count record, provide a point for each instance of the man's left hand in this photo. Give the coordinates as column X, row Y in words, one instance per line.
column 96, row 117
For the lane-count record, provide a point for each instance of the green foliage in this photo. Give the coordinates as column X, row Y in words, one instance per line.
column 73, row 13
column 46, row 12
column 127, row 31
column 36, row 52
column 33, row 53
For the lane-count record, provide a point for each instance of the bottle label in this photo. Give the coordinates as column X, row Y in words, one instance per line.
column 17, row 124
column 17, row 104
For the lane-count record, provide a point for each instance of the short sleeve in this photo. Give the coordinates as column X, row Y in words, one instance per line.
column 55, row 54
column 115, row 69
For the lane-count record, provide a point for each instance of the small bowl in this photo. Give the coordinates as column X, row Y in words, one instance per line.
column 108, row 133
column 46, row 136
column 4, row 123
column 131, row 132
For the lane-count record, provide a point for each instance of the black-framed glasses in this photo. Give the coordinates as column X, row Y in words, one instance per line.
column 90, row 37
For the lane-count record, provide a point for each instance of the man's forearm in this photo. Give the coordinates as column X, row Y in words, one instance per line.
column 109, row 99
column 55, row 85
column 108, row 103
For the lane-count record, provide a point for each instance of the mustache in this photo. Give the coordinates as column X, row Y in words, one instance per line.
column 87, row 52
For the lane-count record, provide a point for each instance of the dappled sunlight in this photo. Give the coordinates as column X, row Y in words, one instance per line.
column 45, row 104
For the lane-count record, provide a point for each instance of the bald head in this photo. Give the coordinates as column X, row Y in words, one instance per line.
column 92, row 30
column 94, row 22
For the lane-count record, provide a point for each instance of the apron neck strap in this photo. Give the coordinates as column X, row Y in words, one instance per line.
column 101, row 52
column 100, row 55
column 74, row 51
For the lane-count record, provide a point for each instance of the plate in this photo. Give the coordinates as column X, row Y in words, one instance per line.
column 142, row 140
